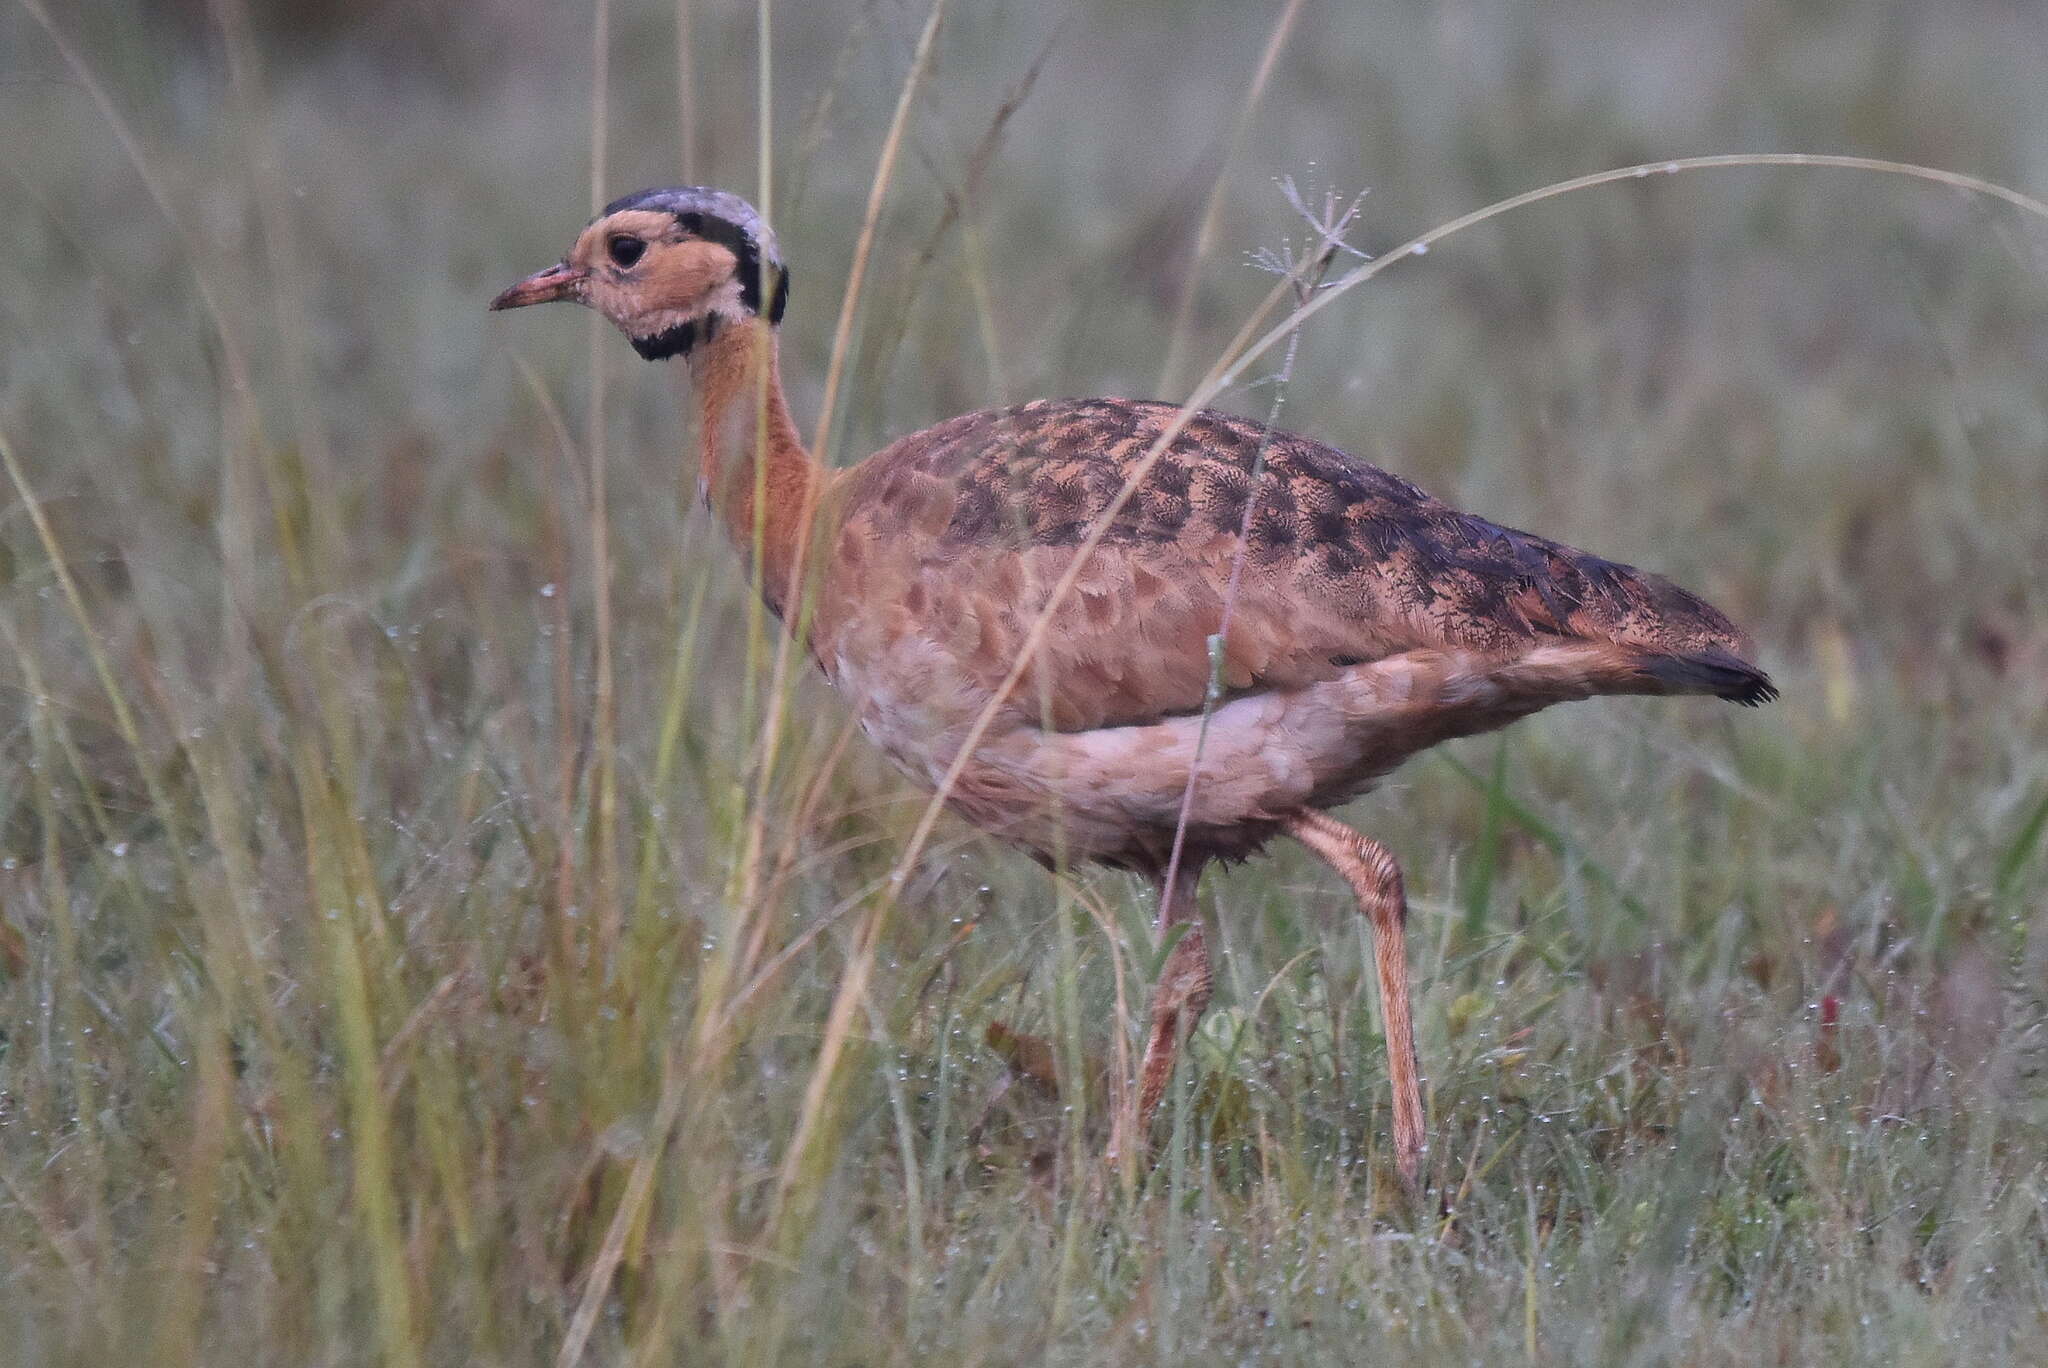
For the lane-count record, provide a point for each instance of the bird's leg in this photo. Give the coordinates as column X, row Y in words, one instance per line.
column 1375, row 881
column 1178, row 1002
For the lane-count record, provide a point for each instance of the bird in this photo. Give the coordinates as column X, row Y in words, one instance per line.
column 1366, row 619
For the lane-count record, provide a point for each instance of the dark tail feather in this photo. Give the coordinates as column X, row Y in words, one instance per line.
column 1712, row 671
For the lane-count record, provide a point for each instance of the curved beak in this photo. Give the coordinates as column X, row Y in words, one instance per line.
column 558, row 281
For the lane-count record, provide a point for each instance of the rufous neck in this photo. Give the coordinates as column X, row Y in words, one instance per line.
column 753, row 470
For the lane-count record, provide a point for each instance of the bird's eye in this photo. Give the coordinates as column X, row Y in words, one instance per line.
column 625, row 250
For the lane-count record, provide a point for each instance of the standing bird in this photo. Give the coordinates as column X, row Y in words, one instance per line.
column 1366, row 620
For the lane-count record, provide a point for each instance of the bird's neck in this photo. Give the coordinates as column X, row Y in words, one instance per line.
column 753, row 470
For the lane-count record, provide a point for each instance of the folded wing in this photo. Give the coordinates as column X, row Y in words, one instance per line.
column 965, row 528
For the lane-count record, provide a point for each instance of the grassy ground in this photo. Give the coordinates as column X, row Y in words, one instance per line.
column 370, row 990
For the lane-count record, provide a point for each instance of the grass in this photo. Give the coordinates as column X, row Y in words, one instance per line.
column 340, row 1021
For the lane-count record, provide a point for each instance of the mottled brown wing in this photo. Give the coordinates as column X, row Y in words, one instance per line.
column 962, row 529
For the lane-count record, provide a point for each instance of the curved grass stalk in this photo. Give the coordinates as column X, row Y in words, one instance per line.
column 1235, row 361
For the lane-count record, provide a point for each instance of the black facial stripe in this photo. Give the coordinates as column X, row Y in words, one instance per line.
column 746, row 252
column 676, row 341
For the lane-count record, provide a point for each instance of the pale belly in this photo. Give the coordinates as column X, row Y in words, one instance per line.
column 1117, row 794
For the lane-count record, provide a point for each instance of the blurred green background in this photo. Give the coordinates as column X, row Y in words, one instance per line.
column 342, row 1019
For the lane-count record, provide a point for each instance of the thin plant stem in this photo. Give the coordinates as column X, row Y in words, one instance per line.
column 1212, row 212
column 597, row 1283
column 561, row 625
column 878, row 195
column 686, row 91
column 785, row 651
column 604, row 744
column 1305, row 277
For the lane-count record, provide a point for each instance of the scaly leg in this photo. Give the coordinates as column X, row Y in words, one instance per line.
column 1375, row 881
column 1177, row 1004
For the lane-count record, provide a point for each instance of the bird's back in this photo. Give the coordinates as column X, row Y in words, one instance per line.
column 960, row 530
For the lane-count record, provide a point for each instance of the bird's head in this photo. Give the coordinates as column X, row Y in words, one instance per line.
column 669, row 267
